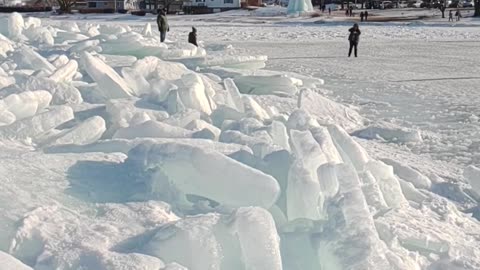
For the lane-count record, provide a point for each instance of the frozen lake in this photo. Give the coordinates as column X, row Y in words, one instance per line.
column 266, row 148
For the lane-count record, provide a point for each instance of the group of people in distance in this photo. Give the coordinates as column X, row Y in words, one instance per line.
column 163, row 28
column 458, row 15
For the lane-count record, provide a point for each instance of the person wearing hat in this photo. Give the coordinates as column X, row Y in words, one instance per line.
column 162, row 23
column 354, row 38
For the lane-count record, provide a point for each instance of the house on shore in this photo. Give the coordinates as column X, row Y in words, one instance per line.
column 210, row 6
column 113, row 4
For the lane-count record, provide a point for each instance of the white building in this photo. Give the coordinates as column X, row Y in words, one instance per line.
column 214, row 4
column 113, row 4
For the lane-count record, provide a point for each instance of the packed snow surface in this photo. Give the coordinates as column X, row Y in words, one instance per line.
column 119, row 152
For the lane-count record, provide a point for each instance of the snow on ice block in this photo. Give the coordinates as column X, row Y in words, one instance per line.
column 267, row 85
column 89, row 131
column 409, row 174
column 58, row 60
column 147, row 30
column 411, row 193
column 180, row 50
column 234, row 98
column 71, row 37
column 307, row 81
column 112, row 29
column 206, row 173
column 125, row 145
column 122, row 111
column 233, row 136
column 199, row 124
column 236, row 61
column 62, row 93
column 357, row 245
column 323, row 138
column 153, row 67
column 38, row 124
column 192, row 93
column 253, row 109
column 65, row 73
column 190, row 241
column 279, row 134
column 134, row 44
column 349, row 149
column 135, row 81
column 389, row 184
column 105, row 260
column 109, row 82
column 327, row 178
column 472, row 174
column 329, row 112
column 372, row 192
column 32, row 21
column 5, row 47
column 152, row 129
column 300, row 120
column 8, row 262
column 86, row 45
column 307, row 149
column 304, row 199
column 39, row 35
column 6, row 117
column 389, row 132
column 258, row 237
column 69, row 26
column 27, row 58
column 118, row 60
column 6, row 81
column 93, row 31
column 27, row 104
column 16, row 24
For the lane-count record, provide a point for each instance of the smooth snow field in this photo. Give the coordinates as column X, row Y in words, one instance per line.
column 265, row 148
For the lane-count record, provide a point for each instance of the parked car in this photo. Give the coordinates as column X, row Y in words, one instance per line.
column 454, row 4
column 467, row 3
column 418, row 4
column 386, row 4
column 403, row 4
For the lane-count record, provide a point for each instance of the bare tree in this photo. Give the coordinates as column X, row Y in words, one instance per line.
column 477, row 8
column 66, row 5
column 167, row 3
column 442, row 9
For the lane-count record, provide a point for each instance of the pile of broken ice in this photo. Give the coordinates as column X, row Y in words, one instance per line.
column 258, row 166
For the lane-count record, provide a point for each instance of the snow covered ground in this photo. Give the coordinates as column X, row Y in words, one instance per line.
column 266, row 148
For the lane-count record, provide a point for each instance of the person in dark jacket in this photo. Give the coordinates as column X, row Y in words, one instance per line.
column 450, row 16
column 458, row 15
column 162, row 23
column 366, row 15
column 354, row 38
column 192, row 37
column 361, row 16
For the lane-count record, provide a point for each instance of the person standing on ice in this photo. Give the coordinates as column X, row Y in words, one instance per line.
column 329, row 11
column 361, row 16
column 162, row 23
column 354, row 38
column 366, row 15
column 450, row 16
column 192, row 37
